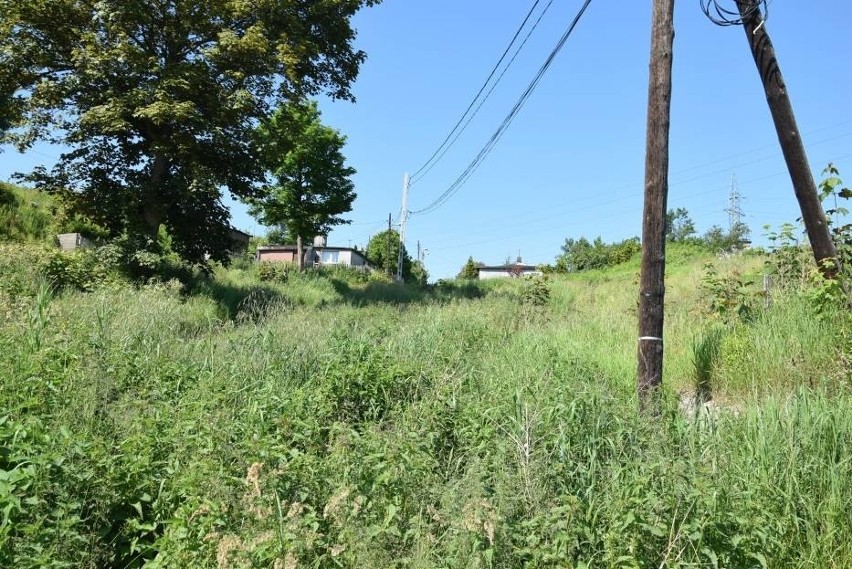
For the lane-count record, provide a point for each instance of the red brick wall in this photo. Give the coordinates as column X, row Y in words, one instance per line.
column 289, row 256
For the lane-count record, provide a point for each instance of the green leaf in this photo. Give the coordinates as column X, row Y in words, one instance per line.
column 759, row 558
column 711, row 555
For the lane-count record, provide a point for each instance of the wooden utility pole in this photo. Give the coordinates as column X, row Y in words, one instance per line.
column 652, row 280
column 788, row 135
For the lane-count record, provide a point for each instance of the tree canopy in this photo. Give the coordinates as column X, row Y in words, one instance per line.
column 679, row 226
column 159, row 101
column 470, row 270
column 377, row 253
column 419, row 274
column 581, row 255
column 717, row 239
column 311, row 185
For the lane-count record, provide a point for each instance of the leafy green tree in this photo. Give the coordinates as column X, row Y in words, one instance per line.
column 470, row 270
column 581, row 255
column 6, row 114
column 679, row 226
column 312, row 185
column 419, row 274
column 280, row 236
column 377, row 253
column 717, row 239
column 159, row 100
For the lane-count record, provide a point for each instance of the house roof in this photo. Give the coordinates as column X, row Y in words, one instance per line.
column 234, row 230
column 512, row 267
column 314, row 247
column 276, row 248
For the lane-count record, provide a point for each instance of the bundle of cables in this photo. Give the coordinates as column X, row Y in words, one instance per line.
column 743, row 11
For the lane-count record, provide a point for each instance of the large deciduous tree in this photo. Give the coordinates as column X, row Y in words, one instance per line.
column 311, row 185
column 158, row 99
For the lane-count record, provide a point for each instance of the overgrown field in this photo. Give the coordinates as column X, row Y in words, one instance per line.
column 313, row 424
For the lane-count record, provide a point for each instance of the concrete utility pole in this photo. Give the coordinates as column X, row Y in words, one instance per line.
column 649, row 374
column 788, row 135
column 388, row 258
column 406, row 184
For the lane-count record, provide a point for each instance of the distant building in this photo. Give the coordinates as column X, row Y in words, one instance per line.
column 505, row 271
column 317, row 256
column 239, row 241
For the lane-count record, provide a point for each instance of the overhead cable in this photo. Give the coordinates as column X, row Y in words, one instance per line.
column 507, row 121
column 488, row 94
column 478, row 94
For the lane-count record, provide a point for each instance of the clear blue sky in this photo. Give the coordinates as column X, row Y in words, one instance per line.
column 572, row 163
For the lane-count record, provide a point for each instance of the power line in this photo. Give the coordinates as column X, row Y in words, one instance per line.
column 489, row 146
column 676, row 185
column 487, row 95
column 481, row 89
column 437, row 244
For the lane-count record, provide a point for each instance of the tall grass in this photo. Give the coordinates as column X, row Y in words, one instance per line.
column 305, row 424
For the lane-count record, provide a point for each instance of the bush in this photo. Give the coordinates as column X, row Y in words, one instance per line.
column 83, row 269
column 84, row 226
column 273, row 271
column 582, row 255
column 535, row 291
column 21, row 268
column 729, row 297
column 351, row 275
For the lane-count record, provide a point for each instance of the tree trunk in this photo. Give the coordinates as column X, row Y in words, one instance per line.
column 813, row 215
column 300, row 259
column 153, row 208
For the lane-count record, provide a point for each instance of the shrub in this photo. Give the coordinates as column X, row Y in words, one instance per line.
column 21, row 268
column 351, row 275
column 582, row 255
column 788, row 260
column 83, row 269
column 84, row 226
column 273, row 271
column 728, row 296
column 536, row 290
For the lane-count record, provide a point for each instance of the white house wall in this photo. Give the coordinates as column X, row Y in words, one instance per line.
column 345, row 258
column 483, row 275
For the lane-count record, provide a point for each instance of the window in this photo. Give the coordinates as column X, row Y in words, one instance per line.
column 329, row 257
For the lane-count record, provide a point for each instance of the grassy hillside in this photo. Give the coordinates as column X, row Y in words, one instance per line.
column 25, row 215
column 331, row 422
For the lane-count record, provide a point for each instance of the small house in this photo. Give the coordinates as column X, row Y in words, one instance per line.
column 239, row 241
column 315, row 255
column 509, row 270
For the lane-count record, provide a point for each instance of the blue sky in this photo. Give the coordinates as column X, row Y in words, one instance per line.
column 572, row 162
